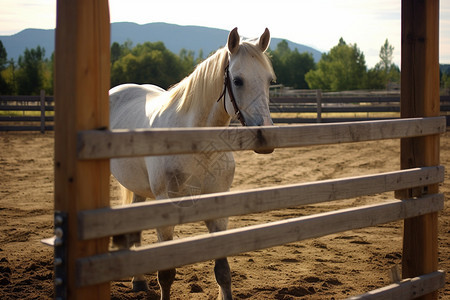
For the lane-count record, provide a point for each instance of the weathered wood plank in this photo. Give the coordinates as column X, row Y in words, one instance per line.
column 324, row 120
column 334, row 109
column 19, row 98
column 136, row 217
column 24, row 128
column 410, row 288
column 326, row 99
column 95, row 144
column 24, row 119
column 25, row 108
column 166, row 255
column 21, row 108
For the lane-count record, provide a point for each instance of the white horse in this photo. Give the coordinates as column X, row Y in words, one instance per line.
column 232, row 82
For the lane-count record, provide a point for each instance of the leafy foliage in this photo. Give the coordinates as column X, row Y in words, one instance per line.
column 30, row 76
column 3, row 57
column 291, row 66
column 5, row 86
column 343, row 68
column 386, row 71
column 149, row 63
column 444, row 75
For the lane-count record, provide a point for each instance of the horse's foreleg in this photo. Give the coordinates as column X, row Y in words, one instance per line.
column 221, row 268
column 223, row 278
column 165, row 277
column 139, row 282
column 127, row 241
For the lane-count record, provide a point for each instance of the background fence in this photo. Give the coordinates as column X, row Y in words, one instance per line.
column 310, row 106
column 27, row 113
column 36, row 113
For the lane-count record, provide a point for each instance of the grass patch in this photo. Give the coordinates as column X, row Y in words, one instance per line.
column 13, row 113
column 338, row 115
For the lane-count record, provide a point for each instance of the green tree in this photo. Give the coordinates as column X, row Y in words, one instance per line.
column 343, row 68
column 48, row 69
column 282, row 49
column 187, row 60
column 116, row 52
column 385, row 71
column 149, row 63
column 375, row 79
column 120, row 50
column 446, row 81
column 386, row 56
column 3, row 57
column 30, row 76
column 297, row 65
column 5, row 86
column 444, row 75
column 291, row 66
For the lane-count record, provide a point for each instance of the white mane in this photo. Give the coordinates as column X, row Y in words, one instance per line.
column 206, row 82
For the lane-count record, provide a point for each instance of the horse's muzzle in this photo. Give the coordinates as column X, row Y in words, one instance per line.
column 264, row 151
column 266, row 121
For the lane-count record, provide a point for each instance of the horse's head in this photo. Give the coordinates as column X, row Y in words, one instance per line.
column 249, row 76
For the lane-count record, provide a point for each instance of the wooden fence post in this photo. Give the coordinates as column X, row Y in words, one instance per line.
column 42, row 97
column 82, row 81
column 319, row 105
column 420, row 98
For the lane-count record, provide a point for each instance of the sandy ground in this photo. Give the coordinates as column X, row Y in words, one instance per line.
column 331, row 267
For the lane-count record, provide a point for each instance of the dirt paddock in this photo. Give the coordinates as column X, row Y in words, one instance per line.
column 331, row 267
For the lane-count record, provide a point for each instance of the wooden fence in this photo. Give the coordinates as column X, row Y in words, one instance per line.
column 311, row 106
column 84, row 220
column 26, row 113
column 105, row 222
column 285, row 108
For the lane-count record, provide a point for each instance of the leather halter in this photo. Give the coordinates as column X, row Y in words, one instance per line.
column 227, row 86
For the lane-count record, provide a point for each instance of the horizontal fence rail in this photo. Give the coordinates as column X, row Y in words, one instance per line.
column 410, row 288
column 162, row 256
column 135, row 217
column 98, row 144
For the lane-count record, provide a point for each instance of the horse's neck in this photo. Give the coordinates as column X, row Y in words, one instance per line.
column 210, row 114
column 218, row 116
column 203, row 108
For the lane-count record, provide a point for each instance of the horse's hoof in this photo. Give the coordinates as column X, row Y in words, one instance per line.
column 140, row 286
column 125, row 241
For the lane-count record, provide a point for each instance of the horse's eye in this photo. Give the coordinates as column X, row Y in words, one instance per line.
column 238, row 81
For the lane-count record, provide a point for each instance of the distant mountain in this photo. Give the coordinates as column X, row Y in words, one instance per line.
column 29, row 38
column 174, row 37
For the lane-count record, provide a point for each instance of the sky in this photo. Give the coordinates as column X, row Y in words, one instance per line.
column 319, row 24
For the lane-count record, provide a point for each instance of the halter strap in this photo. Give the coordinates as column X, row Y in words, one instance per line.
column 227, row 86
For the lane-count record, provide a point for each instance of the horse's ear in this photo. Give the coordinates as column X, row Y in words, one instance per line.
column 264, row 40
column 233, row 41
